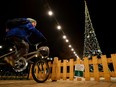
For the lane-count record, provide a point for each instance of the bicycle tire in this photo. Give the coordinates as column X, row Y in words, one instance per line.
column 40, row 71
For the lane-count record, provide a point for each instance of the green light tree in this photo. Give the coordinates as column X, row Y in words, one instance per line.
column 91, row 45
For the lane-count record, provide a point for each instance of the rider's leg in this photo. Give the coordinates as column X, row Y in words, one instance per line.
column 23, row 48
column 9, row 60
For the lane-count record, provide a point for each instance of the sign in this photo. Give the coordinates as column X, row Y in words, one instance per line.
column 79, row 68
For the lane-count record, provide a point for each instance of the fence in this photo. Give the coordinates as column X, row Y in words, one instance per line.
column 65, row 70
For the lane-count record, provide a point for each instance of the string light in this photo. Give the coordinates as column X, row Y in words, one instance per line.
column 59, row 27
column 64, row 36
column 0, row 46
column 10, row 49
column 36, row 55
column 50, row 13
column 72, row 49
column 67, row 40
column 69, row 46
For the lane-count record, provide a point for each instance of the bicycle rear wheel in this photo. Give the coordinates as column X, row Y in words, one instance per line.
column 40, row 71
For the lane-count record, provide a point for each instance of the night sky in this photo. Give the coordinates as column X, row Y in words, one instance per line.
column 70, row 15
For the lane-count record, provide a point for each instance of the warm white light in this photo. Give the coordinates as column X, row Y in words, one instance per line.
column 58, row 27
column 72, row 49
column 69, row 46
column 74, row 52
column 67, row 40
column 76, row 55
column 64, row 36
column 50, row 13
column 10, row 49
column 36, row 55
column 0, row 46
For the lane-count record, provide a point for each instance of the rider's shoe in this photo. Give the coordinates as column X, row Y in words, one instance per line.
column 10, row 60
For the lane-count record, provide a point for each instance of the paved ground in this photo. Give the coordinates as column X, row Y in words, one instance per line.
column 58, row 83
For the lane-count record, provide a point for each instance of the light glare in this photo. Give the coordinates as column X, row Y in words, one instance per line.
column 64, row 36
column 70, row 46
column 50, row 13
column 10, row 49
column 67, row 40
column 0, row 46
column 58, row 27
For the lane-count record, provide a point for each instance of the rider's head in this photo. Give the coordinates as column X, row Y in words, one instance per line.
column 33, row 21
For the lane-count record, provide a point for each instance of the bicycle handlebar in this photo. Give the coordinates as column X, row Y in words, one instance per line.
column 36, row 45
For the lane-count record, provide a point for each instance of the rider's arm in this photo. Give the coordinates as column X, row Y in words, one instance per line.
column 36, row 32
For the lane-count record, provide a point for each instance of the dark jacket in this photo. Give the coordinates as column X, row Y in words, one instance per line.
column 24, row 31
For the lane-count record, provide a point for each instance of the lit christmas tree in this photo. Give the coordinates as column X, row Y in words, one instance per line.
column 91, row 45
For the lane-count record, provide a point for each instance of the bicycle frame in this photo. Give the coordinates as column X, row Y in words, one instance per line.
column 40, row 66
column 33, row 54
column 7, row 54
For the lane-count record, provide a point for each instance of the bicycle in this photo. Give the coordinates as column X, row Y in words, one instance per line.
column 40, row 68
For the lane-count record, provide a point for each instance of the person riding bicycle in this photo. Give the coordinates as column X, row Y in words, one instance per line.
column 18, row 31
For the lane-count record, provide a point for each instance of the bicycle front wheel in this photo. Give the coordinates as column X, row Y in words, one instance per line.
column 40, row 71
